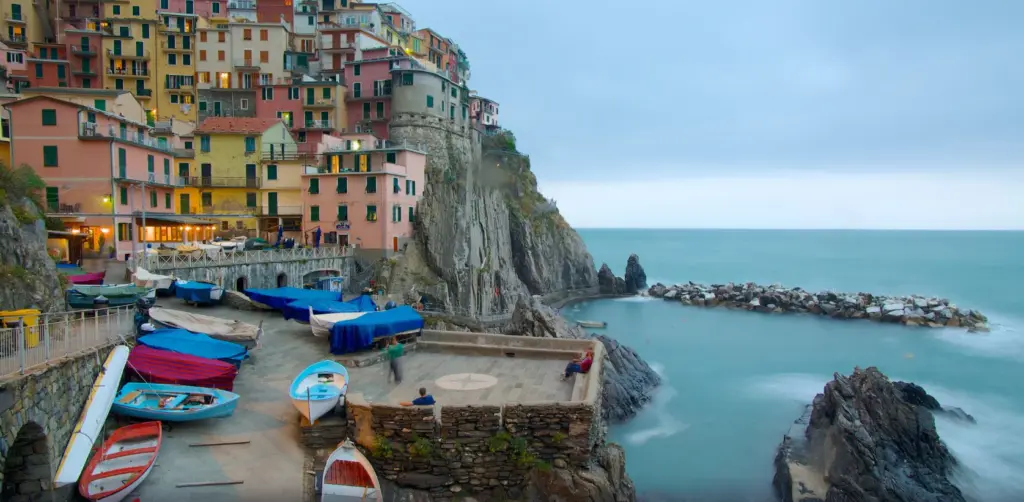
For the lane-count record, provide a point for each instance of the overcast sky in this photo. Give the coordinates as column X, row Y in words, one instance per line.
column 755, row 113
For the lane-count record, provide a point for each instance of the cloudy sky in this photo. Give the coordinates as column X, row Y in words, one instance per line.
column 755, row 113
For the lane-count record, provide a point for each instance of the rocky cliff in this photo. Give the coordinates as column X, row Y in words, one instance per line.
column 634, row 281
column 866, row 439
column 28, row 275
column 485, row 236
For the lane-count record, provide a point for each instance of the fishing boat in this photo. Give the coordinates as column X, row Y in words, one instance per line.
column 198, row 292
column 173, row 403
column 161, row 366
column 86, row 278
column 349, row 477
column 94, row 414
column 359, row 333
column 277, row 298
column 83, row 297
column 319, row 388
column 592, row 324
column 164, row 284
column 228, row 330
column 322, row 323
column 195, row 344
column 299, row 309
column 122, row 463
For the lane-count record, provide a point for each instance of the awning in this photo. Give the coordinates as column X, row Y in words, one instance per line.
column 178, row 219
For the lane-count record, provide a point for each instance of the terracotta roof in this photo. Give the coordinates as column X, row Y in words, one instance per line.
column 235, row 125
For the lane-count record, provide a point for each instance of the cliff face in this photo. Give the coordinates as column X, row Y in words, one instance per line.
column 485, row 236
column 28, row 275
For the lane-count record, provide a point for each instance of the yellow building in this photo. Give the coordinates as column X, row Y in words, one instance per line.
column 130, row 49
column 176, row 67
column 227, row 172
column 281, row 190
column 25, row 23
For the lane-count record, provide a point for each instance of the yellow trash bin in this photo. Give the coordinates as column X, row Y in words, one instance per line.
column 29, row 319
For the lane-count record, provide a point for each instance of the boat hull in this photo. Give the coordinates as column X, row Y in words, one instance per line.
column 319, row 388
column 334, row 492
column 123, row 494
column 130, row 452
column 141, row 400
column 313, row 409
column 94, row 414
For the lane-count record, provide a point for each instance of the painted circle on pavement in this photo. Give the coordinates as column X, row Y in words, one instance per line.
column 466, row 381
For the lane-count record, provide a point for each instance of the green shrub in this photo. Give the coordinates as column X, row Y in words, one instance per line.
column 381, row 447
column 499, row 442
column 421, row 447
column 20, row 183
column 558, row 437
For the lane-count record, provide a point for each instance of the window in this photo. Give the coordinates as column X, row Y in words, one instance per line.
column 186, row 59
column 49, row 117
column 243, row 104
column 396, row 188
column 167, row 200
column 396, row 213
column 117, row 10
column 250, row 199
column 86, row 82
column 136, row 11
column 412, row 217
column 221, row 37
column 250, row 144
column 430, row 101
column 52, row 199
column 206, row 199
column 50, row 156
column 267, row 93
column 122, row 163
column 163, row 4
column 60, row 71
column 172, row 59
column 91, row 117
column 366, row 110
column 271, row 171
column 371, row 184
column 188, row 145
column 202, row 56
column 220, row 55
column 342, row 212
column 247, row 34
column 407, row 78
column 327, row 93
column 167, row 167
column 371, row 213
column 451, row 112
column 100, row 104
column 293, row 93
column 122, row 195
column 413, row 185
column 149, row 164
column 202, row 35
column 391, row 157
column 355, row 69
column 145, row 30
column 314, row 213
column 455, row 92
column 314, row 186
column 124, row 232
column 204, row 143
column 357, row 89
column 216, row 7
column 380, row 109
column 342, row 184
column 264, row 35
column 264, row 56
column 152, row 198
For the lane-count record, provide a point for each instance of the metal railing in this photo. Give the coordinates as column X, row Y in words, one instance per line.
column 281, row 210
column 83, row 49
column 11, row 16
column 124, row 55
column 242, row 4
column 46, row 338
column 222, row 182
column 379, row 144
column 318, row 124
column 199, row 259
column 246, row 63
column 320, row 102
column 17, row 39
column 92, row 130
column 128, row 72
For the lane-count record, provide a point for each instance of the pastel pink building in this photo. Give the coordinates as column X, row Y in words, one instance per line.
column 103, row 172
column 14, row 61
column 279, row 101
column 369, row 86
column 365, row 193
column 204, row 8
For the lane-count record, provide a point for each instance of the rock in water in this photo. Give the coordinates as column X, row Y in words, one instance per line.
column 627, row 381
column 861, row 440
column 606, row 280
column 636, row 278
column 606, row 481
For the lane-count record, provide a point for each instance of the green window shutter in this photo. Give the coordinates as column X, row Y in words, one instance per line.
column 152, row 198
column 356, row 69
column 314, row 213
column 327, row 93
column 50, row 156
column 391, row 157
column 451, row 112
column 455, row 92
column 314, row 185
column 430, row 101
column 145, row 31
column 250, row 199
column 412, row 217
column 414, row 188
column 271, row 171
column 167, row 200
column 342, row 185
column 49, row 117
column 371, row 213
column 357, row 90
column 380, row 109
column 342, row 213
column 396, row 188
column 407, row 78
column 122, row 163
column 366, row 110
column 52, row 199
column 407, row 187
column 149, row 164
column 91, row 117
column 167, row 167
column 371, row 184
column 123, row 195
column 396, row 213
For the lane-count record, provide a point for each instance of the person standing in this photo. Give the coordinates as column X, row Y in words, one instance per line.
column 394, row 352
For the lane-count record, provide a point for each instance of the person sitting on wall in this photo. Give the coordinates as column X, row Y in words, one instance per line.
column 579, row 365
column 424, row 399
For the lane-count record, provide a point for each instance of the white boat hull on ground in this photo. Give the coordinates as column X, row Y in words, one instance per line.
column 314, row 409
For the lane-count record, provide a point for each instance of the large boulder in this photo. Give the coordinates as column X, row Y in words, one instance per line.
column 862, row 440
column 635, row 278
column 606, row 281
column 605, row 481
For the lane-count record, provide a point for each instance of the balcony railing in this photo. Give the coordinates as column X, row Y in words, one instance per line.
column 321, row 103
column 214, row 210
column 83, row 71
column 89, row 130
column 144, row 93
column 222, row 182
column 373, row 167
column 281, row 210
column 83, row 50
column 155, row 179
column 128, row 72
column 123, row 55
column 14, row 16
column 380, row 144
column 176, row 48
column 64, row 208
column 246, row 63
column 15, row 39
column 316, row 124
column 242, row 5
column 278, row 155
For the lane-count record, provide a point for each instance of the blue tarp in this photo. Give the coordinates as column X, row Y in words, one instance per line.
column 299, row 309
column 195, row 344
column 364, row 303
column 359, row 333
column 277, row 298
column 195, row 292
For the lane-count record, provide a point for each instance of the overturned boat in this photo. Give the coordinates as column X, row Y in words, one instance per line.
column 163, row 284
column 228, row 330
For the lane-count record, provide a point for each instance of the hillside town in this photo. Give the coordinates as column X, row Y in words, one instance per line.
column 167, row 122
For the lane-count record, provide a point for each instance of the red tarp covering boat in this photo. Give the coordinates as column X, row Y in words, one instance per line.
column 161, row 366
column 92, row 278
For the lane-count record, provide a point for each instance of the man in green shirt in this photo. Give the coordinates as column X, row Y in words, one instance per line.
column 393, row 352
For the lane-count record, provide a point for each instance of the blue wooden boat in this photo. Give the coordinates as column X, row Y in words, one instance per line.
column 319, row 388
column 173, row 403
column 196, row 344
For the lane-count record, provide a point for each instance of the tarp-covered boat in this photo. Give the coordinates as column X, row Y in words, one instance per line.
column 82, row 297
column 229, row 330
column 349, row 477
column 277, row 298
column 364, row 303
column 198, row 292
column 173, row 403
column 358, row 334
column 87, row 278
column 122, row 463
column 162, row 366
column 319, row 388
column 164, row 284
column 195, row 344
column 323, row 323
column 299, row 309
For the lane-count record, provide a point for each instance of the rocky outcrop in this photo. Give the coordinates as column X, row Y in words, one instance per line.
column 604, row 481
column 861, row 440
column 607, row 283
column 28, row 274
column 635, row 279
column 917, row 396
column 627, row 381
column 484, row 234
column 907, row 310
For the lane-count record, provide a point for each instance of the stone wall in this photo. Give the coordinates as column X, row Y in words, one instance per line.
column 259, row 275
column 38, row 413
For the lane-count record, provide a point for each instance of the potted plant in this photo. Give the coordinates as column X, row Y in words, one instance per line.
column 112, row 251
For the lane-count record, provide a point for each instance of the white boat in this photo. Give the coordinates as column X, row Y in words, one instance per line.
column 322, row 324
column 319, row 389
column 94, row 414
column 147, row 279
column 228, row 330
column 349, row 477
column 592, row 324
column 122, row 463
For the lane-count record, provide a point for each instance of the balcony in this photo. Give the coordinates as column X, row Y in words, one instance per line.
column 156, row 179
column 246, row 64
column 378, row 145
column 242, row 5
column 316, row 124
column 129, row 72
column 14, row 40
column 321, row 103
column 89, row 130
column 122, row 55
column 63, row 208
column 181, row 89
column 343, row 46
column 222, row 182
column 174, row 48
column 84, row 72
column 222, row 210
column 281, row 211
column 15, row 18
column 143, row 93
column 283, row 156
column 83, row 50
column 372, row 167
column 184, row 153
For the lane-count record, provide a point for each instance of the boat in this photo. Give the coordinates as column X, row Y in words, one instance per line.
column 196, row 344
column 94, row 414
column 83, row 297
column 173, row 403
column 322, row 323
column 592, row 324
column 228, row 330
column 161, row 366
column 349, row 477
column 354, row 335
column 319, row 388
column 122, row 463
column 87, row 278
column 277, row 298
column 299, row 309
column 198, row 292
column 164, row 284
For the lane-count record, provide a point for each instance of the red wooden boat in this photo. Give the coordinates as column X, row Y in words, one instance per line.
column 122, row 463
column 91, row 278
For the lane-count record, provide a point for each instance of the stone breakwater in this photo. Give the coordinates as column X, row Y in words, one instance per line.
column 906, row 310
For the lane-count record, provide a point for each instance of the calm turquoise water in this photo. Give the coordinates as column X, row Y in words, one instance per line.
column 736, row 380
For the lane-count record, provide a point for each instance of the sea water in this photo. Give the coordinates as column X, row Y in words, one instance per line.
column 735, row 381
